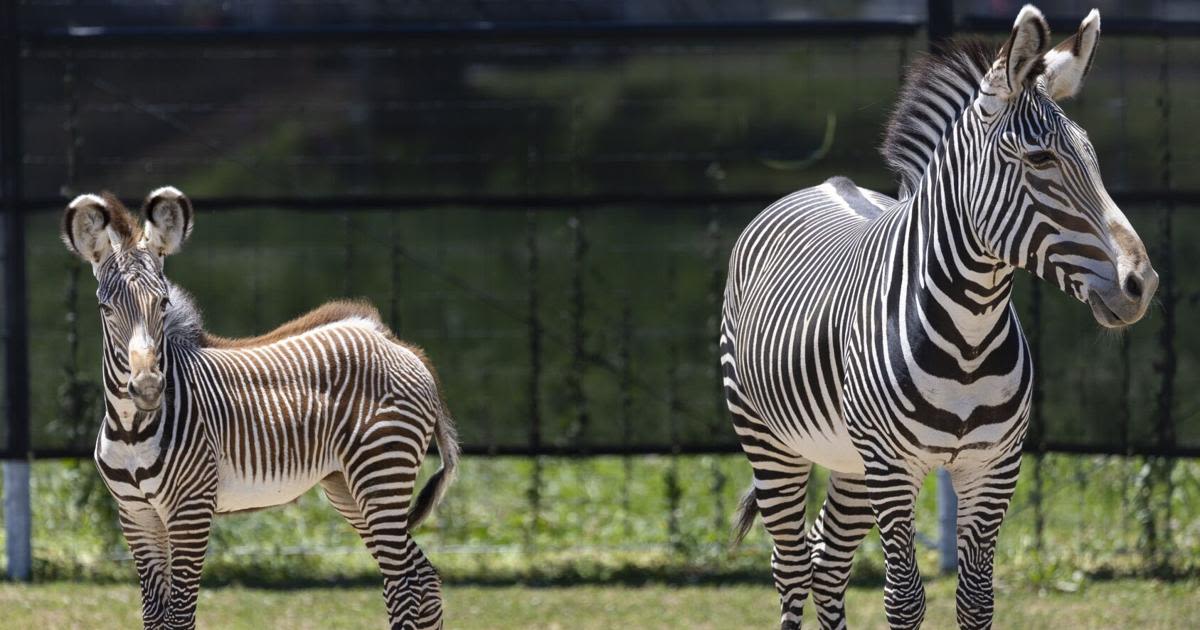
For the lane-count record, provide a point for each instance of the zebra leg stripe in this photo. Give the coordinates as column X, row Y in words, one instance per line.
column 147, row 539
column 893, row 493
column 780, row 489
column 845, row 520
column 421, row 594
column 984, row 496
column 412, row 588
column 343, row 501
column 187, row 532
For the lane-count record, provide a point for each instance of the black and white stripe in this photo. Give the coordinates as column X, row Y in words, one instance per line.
column 196, row 425
column 876, row 337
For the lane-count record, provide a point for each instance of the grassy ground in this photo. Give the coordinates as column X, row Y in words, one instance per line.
column 609, row 520
column 617, row 544
column 1114, row 604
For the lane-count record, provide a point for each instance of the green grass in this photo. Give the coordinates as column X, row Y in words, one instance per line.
column 607, row 520
column 1114, row 604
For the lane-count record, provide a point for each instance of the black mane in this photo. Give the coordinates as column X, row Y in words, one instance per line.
column 937, row 88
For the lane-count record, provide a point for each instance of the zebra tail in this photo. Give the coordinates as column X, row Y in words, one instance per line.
column 747, row 510
column 447, row 443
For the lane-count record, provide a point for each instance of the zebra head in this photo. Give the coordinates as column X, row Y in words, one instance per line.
column 127, row 260
column 1042, row 205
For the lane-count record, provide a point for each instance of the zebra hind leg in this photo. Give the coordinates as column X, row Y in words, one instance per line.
column 412, row 588
column 844, row 521
column 781, row 492
column 343, row 501
column 983, row 498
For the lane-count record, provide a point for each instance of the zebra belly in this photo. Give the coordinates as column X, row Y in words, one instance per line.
column 237, row 490
column 830, row 449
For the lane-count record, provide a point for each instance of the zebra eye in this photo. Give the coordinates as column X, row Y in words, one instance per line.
column 106, row 310
column 164, row 303
column 1040, row 158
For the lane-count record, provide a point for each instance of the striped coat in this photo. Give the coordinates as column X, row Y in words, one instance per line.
column 198, row 425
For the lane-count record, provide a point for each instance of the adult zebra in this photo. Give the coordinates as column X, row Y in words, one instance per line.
column 876, row 337
column 197, row 425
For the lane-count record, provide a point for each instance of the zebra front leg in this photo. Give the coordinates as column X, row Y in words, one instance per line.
column 983, row 497
column 844, row 521
column 893, row 492
column 147, row 539
column 187, row 532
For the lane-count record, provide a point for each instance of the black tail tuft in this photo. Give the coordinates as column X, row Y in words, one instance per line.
column 744, row 520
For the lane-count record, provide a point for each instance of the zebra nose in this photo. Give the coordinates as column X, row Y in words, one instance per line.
column 1133, row 287
column 1140, row 283
column 146, row 386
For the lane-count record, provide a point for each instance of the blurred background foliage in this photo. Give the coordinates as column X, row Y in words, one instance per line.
column 688, row 138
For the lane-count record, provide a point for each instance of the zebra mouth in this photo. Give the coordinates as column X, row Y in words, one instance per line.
column 145, row 405
column 1105, row 316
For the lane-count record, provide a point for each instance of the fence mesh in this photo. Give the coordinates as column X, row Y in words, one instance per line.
column 566, row 121
column 550, row 217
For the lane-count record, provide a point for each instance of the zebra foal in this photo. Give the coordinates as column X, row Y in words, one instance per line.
column 876, row 337
column 197, row 425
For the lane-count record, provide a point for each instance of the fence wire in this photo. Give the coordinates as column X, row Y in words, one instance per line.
column 549, row 216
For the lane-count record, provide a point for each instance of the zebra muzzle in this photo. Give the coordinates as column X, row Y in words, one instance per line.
column 146, row 390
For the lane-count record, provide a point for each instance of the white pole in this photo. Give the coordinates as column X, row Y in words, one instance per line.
column 947, row 522
column 17, row 521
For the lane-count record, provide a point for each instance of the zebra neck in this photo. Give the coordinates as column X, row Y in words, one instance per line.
column 962, row 290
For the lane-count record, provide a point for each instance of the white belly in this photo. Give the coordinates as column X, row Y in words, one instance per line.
column 832, row 450
column 237, row 491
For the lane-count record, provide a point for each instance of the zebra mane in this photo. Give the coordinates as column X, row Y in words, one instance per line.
column 937, row 89
column 183, row 323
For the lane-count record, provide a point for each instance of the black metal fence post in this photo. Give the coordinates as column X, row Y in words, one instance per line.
column 939, row 25
column 16, row 353
column 1165, row 426
column 674, row 492
column 626, row 405
column 720, row 418
column 535, row 377
column 15, row 319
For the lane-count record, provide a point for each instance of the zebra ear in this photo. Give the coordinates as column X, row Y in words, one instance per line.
column 168, row 215
column 1069, row 62
column 86, row 224
column 1019, row 59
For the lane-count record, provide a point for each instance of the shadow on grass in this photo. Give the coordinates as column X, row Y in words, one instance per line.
column 291, row 577
column 534, row 571
column 297, row 576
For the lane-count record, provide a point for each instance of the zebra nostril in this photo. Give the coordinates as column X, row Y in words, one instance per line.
column 1133, row 286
